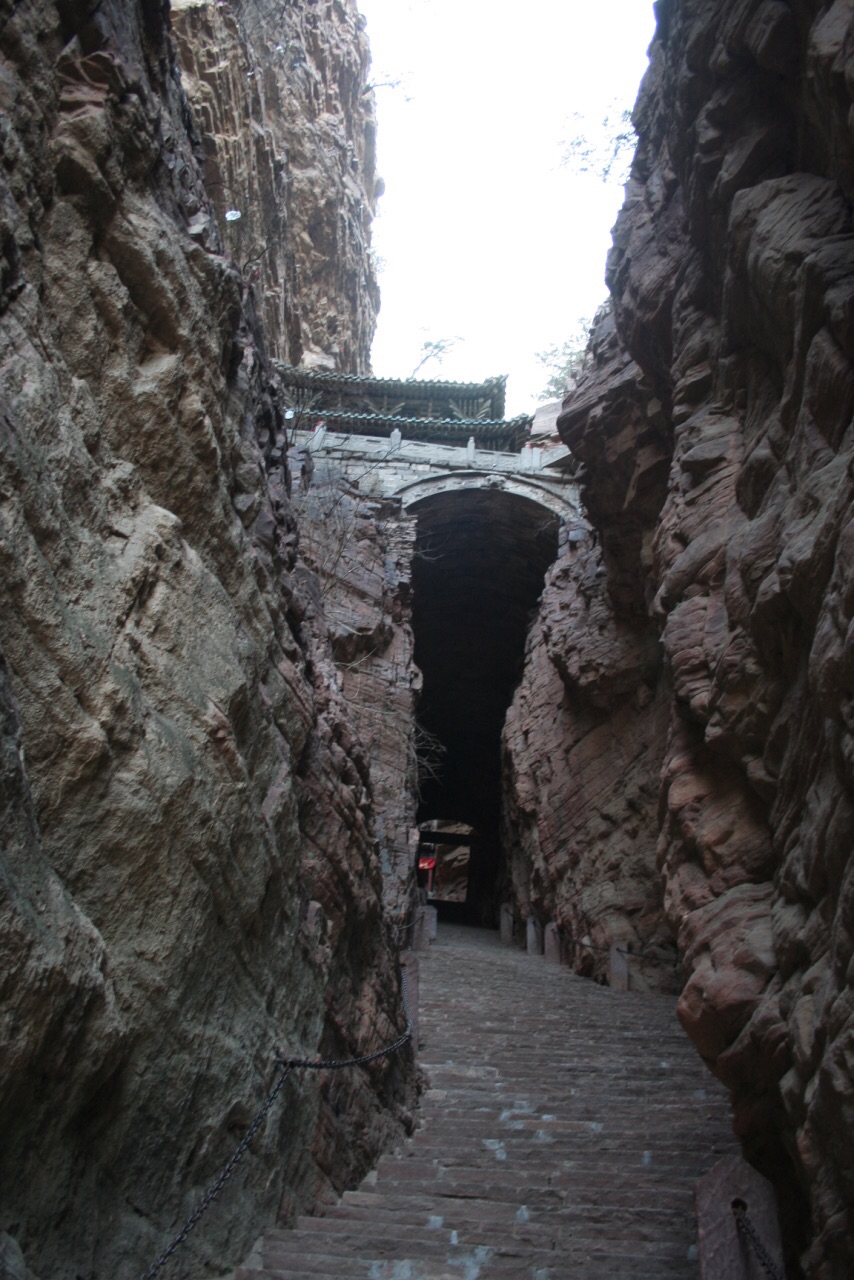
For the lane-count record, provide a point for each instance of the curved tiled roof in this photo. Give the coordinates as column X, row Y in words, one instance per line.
column 313, row 377
column 434, row 412
column 488, row 395
column 509, row 434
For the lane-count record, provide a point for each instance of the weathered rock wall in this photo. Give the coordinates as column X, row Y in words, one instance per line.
column 714, row 425
column 584, row 739
column 189, row 869
column 288, row 140
column 362, row 550
column 582, row 748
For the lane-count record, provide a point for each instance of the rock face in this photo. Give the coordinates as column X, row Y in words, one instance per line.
column 288, row 141
column 189, row 862
column 584, row 739
column 582, row 749
column 362, row 552
column 715, row 428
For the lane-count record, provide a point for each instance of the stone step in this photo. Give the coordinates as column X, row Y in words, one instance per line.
column 529, row 1192
column 498, row 1173
column 584, row 1143
column 365, row 1254
column 544, row 1230
column 590, row 1266
column 657, row 1198
column 560, row 1138
column 594, row 1268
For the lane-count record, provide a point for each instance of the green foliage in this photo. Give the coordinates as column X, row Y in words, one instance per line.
column 563, row 363
column 434, row 349
column 604, row 147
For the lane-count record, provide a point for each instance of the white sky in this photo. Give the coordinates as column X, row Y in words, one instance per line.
column 485, row 236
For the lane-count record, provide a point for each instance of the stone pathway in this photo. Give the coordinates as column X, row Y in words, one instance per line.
column 562, row 1135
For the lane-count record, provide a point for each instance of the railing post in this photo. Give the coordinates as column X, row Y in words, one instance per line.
column 534, row 936
column 421, row 930
column 551, row 944
column 724, row 1254
column 618, row 970
column 409, row 965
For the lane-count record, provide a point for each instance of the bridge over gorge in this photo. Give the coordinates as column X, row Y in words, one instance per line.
column 565, row 1125
column 415, row 439
column 487, row 501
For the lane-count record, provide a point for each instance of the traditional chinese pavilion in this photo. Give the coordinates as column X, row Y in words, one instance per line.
column 432, row 412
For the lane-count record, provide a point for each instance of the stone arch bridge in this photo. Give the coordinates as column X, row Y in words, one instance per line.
column 414, row 470
column 485, row 505
column 416, row 439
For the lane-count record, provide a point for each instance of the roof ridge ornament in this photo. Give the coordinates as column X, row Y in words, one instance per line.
column 429, row 410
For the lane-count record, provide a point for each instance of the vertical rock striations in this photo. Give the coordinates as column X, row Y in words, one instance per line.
column 714, row 425
column 584, row 739
column 288, row 141
column 582, row 748
column 189, row 865
column 361, row 551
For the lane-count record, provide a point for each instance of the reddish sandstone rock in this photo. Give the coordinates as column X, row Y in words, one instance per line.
column 582, row 752
column 714, row 425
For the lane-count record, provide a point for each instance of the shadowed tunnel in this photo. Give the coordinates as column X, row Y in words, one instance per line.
column 481, row 556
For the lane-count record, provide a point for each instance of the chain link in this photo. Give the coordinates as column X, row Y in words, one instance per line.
column 286, row 1066
column 640, row 956
column 402, row 929
column 225, row 1173
column 335, row 1064
column 746, row 1228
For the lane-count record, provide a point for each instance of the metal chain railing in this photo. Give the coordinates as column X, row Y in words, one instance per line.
column 226, row 1172
column 746, row 1229
column 286, row 1065
column 401, row 930
column 640, row 956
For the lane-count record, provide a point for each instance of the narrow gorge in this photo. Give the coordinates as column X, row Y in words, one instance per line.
column 250, row 670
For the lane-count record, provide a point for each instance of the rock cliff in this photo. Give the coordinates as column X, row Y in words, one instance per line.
column 190, row 873
column 362, row 552
column 582, row 751
column 287, row 141
column 713, row 615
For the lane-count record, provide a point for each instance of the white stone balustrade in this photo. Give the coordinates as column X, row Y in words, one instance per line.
column 413, row 470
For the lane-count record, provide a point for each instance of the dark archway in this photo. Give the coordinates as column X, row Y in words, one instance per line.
column 480, row 560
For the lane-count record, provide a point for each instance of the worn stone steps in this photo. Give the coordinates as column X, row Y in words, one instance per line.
column 547, row 1233
column 561, row 1135
column 533, row 1225
column 455, row 1209
column 593, row 1267
column 482, row 1261
column 560, row 1192
column 364, row 1256
column 469, row 1179
column 570, row 1137
column 523, row 1219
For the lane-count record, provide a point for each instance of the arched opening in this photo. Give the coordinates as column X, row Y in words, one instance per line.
column 481, row 556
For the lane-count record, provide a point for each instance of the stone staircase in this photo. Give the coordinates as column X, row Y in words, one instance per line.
column 561, row 1136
